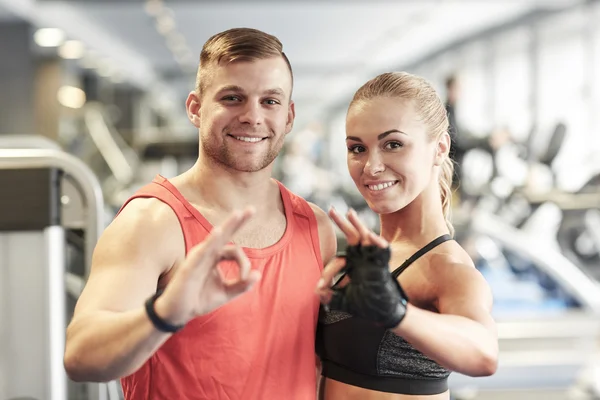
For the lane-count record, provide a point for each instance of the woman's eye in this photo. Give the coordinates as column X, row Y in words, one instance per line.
column 393, row 145
column 356, row 149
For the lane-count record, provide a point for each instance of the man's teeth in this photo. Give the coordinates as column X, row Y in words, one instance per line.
column 381, row 186
column 248, row 139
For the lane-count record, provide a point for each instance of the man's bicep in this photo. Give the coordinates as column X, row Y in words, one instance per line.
column 129, row 258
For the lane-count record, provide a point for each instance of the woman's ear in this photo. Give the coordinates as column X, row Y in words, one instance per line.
column 442, row 149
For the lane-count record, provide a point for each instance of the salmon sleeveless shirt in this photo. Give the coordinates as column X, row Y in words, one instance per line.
column 261, row 345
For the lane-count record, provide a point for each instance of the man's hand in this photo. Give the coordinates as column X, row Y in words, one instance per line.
column 197, row 287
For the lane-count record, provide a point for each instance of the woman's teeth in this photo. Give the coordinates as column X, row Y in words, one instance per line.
column 381, row 186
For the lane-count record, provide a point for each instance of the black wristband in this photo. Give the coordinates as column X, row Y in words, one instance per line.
column 157, row 321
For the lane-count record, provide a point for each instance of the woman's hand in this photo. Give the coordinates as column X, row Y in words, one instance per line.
column 372, row 293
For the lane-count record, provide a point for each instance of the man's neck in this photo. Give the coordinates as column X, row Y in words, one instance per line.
column 226, row 190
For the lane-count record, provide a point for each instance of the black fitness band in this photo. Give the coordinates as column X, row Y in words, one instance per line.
column 157, row 321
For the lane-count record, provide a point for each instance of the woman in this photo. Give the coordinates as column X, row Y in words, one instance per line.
column 388, row 341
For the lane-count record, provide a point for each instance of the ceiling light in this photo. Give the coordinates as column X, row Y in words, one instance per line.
column 49, row 37
column 71, row 97
column 165, row 24
column 153, row 7
column 71, row 50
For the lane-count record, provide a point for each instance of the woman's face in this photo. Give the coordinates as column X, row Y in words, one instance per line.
column 390, row 157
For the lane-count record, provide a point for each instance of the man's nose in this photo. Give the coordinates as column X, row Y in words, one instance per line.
column 251, row 114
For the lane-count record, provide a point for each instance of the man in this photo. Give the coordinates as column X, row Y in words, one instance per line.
column 237, row 287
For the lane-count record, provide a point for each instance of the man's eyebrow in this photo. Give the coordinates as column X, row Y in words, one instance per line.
column 275, row 91
column 231, row 88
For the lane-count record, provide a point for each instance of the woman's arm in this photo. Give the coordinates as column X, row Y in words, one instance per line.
column 462, row 337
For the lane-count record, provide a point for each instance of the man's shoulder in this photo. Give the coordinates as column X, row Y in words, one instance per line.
column 320, row 214
column 146, row 213
column 303, row 206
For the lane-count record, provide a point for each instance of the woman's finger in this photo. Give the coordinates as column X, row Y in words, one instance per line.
column 359, row 226
column 352, row 235
column 329, row 272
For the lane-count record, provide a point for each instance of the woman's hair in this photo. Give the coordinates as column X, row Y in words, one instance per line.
column 430, row 108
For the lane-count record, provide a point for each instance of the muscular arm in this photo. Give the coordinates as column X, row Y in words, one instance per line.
column 462, row 337
column 110, row 335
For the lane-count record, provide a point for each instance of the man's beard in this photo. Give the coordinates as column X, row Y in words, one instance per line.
column 224, row 155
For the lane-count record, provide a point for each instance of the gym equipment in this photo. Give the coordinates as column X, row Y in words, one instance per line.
column 52, row 212
column 577, row 236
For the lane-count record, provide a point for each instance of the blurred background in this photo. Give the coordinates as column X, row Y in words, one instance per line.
column 92, row 107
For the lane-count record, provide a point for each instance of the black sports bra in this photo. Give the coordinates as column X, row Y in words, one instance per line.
column 359, row 353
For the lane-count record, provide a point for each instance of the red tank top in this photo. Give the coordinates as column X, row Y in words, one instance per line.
column 260, row 345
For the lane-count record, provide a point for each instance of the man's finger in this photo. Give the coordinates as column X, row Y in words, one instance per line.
column 352, row 235
column 232, row 225
column 222, row 234
column 234, row 252
column 236, row 287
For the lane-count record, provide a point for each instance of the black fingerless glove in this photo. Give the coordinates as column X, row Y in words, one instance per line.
column 372, row 292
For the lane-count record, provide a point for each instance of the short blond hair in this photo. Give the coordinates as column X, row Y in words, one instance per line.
column 238, row 44
column 430, row 108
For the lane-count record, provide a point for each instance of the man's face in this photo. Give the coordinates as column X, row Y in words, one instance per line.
column 245, row 112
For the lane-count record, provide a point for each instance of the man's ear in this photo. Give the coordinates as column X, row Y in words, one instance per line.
column 290, row 117
column 442, row 149
column 192, row 106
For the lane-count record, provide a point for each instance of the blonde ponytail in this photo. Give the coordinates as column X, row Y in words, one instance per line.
column 447, row 170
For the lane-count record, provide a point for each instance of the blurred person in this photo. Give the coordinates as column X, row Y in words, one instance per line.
column 202, row 287
column 457, row 150
column 410, row 307
column 452, row 94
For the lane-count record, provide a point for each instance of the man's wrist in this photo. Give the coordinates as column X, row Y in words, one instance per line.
column 158, row 316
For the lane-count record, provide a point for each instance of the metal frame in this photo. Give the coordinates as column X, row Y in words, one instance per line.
column 91, row 190
column 14, row 141
column 56, row 303
column 27, row 158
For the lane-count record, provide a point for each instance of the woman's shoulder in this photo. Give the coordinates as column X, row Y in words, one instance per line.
column 449, row 258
